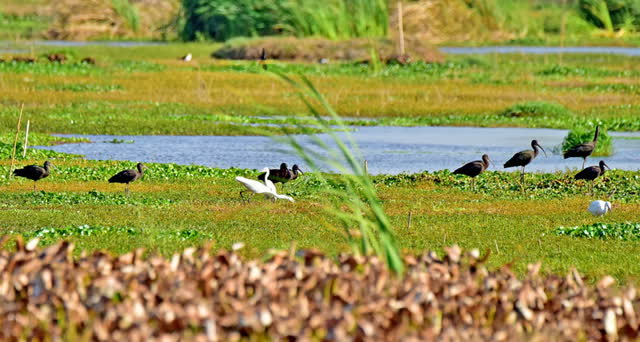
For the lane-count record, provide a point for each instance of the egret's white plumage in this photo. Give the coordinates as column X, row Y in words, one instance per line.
column 268, row 189
column 599, row 207
column 187, row 57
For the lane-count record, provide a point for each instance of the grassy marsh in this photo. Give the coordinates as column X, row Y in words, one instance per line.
column 147, row 89
column 445, row 210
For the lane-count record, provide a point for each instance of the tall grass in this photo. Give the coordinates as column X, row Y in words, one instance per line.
column 336, row 19
column 356, row 203
column 597, row 12
column 128, row 12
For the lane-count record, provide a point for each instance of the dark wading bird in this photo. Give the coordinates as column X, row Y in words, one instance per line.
column 474, row 168
column 523, row 158
column 263, row 59
column 34, row 172
column 592, row 172
column 283, row 174
column 128, row 176
column 583, row 150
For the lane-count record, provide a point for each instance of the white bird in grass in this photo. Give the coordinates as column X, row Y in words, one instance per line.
column 599, row 207
column 268, row 189
column 187, row 57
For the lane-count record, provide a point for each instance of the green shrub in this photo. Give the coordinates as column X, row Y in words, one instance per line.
column 225, row 19
column 537, row 109
column 612, row 15
column 581, row 134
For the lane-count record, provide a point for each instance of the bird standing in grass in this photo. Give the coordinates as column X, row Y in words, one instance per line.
column 592, row 172
column 268, row 189
column 599, row 207
column 283, row 174
column 523, row 158
column 187, row 57
column 34, row 172
column 263, row 59
column 583, row 150
column 128, row 176
column 474, row 168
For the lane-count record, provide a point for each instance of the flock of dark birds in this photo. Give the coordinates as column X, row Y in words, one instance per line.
column 524, row 158
column 284, row 174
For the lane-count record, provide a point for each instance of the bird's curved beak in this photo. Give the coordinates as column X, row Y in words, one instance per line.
column 607, row 166
column 300, row 171
column 545, row 152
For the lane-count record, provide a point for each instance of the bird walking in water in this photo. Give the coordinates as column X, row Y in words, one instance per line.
column 128, row 176
column 268, row 189
column 592, row 172
column 523, row 158
column 583, row 150
column 474, row 168
column 599, row 207
column 34, row 172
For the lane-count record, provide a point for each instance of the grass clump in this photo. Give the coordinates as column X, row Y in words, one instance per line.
column 537, row 109
column 81, row 87
column 604, row 231
column 49, row 234
column 582, row 134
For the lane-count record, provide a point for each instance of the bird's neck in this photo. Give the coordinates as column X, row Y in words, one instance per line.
column 535, row 150
column 140, row 170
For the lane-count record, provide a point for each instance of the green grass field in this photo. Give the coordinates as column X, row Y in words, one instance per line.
column 147, row 90
column 179, row 206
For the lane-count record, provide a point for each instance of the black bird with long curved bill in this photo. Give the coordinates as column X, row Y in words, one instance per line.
column 283, row 174
column 128, row 176
column 474, row 168
column 524, row 158
column 34, row 172
column 583, row 150
column 592, row 172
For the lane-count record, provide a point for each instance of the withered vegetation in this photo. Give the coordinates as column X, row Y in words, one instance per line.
column 200, row 296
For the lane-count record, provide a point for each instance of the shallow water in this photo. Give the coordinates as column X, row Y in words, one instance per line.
column 389, row 150
column 541, row 50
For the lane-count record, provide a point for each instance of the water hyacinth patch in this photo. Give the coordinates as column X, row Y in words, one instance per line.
column 90, row 197
column 604, row 231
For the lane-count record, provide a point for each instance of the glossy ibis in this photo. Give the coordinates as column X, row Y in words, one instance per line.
column 263, row 59
column 592, row 172
column 34, row 172
column 128, row 176
column 599, row 207
column 281, row 175
column 295, row 172
column 523, row 158
column 268, row 189
column 583, row 150
column 474, row 168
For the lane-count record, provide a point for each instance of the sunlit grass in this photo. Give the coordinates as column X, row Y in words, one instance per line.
column 444, row 208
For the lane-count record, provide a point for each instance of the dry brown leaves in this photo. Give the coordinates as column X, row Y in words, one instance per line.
column 209, row 297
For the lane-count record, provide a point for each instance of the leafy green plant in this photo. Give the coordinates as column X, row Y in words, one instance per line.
column 358, row 204
column 604, row 231
column 583, row 134
column 597, row 11
column 90, row 197
column 539, row 109
column 612, row 15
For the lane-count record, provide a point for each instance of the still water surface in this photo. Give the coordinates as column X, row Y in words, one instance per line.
column 389, row 150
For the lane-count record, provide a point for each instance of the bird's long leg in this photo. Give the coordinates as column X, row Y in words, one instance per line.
column 243, row 198
column 473, row 184
column 522, row 179
column 126, row 189
column 34, row 186
column 584, row 160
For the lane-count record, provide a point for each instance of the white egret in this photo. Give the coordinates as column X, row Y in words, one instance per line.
column 268, row 189
column 599, row 207
column 187, row 57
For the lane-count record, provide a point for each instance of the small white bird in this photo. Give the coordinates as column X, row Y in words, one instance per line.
column 187, row 57
column 599, row 207
column 268, row 189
